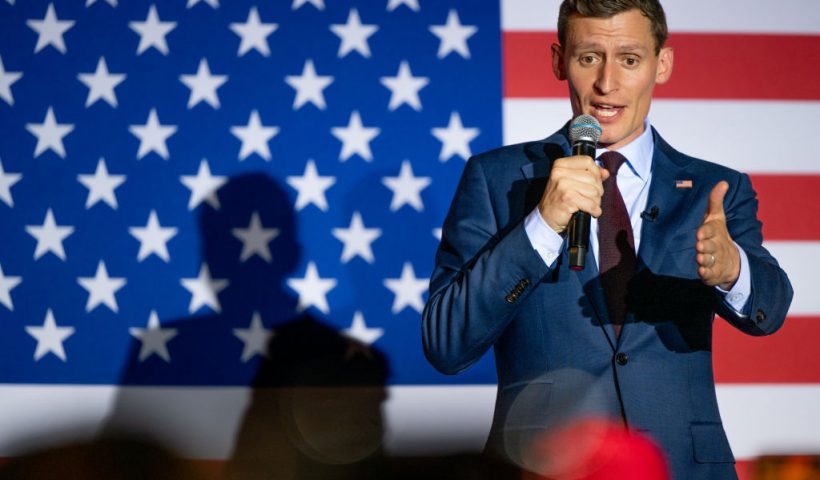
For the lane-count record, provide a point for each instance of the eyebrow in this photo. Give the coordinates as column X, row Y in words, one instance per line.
column 627, row 47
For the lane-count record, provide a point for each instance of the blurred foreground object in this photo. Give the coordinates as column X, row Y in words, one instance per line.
column 787, row 467
column 595, row 449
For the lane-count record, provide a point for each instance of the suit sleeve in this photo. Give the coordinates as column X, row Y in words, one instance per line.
column 482, row 274
column 771, row 292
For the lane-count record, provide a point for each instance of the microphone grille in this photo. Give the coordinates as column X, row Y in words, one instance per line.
column 584, row 127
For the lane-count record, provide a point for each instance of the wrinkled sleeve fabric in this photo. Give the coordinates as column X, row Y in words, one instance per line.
column 482, row 274
column 771, row 292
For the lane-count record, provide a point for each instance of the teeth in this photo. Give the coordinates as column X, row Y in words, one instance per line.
column 606, row 112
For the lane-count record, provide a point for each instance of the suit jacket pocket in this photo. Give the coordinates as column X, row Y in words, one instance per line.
column 710, row 444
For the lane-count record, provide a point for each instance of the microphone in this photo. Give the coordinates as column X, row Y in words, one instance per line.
column 584, row 132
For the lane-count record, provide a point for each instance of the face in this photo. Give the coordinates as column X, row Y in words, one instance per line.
column 611, row 68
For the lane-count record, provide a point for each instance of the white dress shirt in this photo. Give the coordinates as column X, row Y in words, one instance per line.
column 634, row 178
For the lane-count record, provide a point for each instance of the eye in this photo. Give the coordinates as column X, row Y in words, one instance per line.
column 587, row 59
column 631, row 62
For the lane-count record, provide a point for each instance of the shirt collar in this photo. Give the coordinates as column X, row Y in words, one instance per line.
column 638, row 152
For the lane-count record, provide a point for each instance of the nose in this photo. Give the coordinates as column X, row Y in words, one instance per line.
column 606, row 81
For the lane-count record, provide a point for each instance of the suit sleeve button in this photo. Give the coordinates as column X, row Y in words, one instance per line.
column 622, row 358
column 760, row 316
column 509, row 299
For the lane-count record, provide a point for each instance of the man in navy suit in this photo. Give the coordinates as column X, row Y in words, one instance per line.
column 674, row 241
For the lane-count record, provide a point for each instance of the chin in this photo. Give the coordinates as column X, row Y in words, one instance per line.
column 616, row 135
column 609, row 139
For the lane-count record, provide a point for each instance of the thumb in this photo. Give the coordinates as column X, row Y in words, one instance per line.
column 716, row 199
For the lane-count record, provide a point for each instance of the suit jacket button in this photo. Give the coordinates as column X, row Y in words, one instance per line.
column 622, row 358
column 760, row 315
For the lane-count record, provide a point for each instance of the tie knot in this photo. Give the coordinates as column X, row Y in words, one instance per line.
column 612, row 161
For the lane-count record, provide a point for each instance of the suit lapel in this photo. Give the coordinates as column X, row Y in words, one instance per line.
column 542, row 153
column 670, row 201
column 591, row 283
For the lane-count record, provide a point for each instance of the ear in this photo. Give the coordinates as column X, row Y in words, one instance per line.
column 666, row 58
column 558, row 62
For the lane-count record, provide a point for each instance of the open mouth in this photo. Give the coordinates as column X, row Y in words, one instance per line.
column 604, row 111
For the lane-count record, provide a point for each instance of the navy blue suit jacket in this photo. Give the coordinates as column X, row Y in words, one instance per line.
column 556, row 354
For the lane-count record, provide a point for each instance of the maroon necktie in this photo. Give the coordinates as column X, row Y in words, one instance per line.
column 616, row 245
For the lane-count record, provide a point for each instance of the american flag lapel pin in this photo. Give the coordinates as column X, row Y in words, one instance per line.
column 683, row 183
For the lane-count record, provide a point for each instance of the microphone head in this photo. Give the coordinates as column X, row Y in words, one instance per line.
column 584, row 128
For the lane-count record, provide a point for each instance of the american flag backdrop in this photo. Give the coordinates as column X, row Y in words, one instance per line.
column 179, row 177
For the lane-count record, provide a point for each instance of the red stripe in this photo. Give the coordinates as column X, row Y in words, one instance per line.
column 788, row 356
column 707, row 66
column 527, row 67
column 786, row 202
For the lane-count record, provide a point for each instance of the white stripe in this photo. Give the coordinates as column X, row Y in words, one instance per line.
column 529, row 15
column 759, row 419
column 427, row 420
column 201, row 423
column 731, row 16
column 782, row 16
column 770, row 419
column 749, row 136
column 801, row 262
column 198, row 422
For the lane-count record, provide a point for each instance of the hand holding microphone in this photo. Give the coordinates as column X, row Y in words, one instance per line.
column 574, row 189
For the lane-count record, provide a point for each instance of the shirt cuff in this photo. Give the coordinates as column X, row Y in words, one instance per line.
column 738, row 296
column 546, row 241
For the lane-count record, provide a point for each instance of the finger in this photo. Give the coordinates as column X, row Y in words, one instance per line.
column 576, row 162
column 567, row 180
column 708, row 260
column 705, row 231
column 707, row 277
column 582, row 162
column 711, row 228
column 591, row 207
column 591, row 191
column 586, row 176
column 716, row 196
column 708, row 245
column 713, row 247
column 590, row 204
